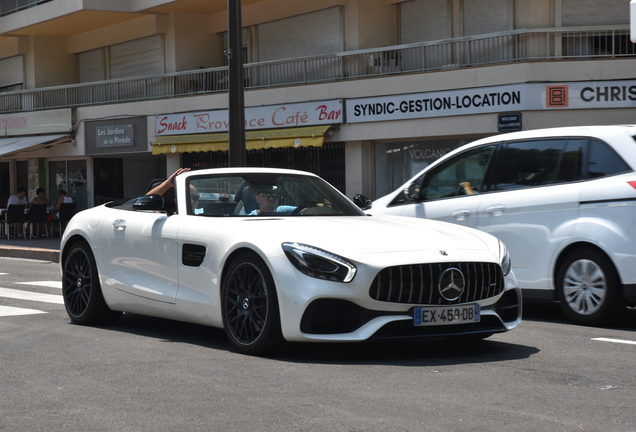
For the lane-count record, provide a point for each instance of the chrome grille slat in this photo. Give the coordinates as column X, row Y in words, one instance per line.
column 414, row 284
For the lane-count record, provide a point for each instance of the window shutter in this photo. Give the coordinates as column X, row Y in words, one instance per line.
column 91, row 66
column 486, row 16
column 424, row 20
column 595, row 12
column 137, row 58
column 298, row 36
column 11, row 71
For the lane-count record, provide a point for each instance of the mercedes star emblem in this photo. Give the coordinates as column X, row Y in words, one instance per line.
column 451, row 284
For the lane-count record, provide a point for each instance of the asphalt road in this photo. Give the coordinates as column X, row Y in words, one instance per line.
column 148, row 374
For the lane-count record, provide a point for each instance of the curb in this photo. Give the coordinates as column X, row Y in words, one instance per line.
column 31, row 253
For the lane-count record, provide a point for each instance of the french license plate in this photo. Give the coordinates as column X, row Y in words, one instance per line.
column 445, row 315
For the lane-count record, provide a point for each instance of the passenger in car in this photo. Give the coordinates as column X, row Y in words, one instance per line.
column 167, row 184
column 166, row 190
column 468, row 188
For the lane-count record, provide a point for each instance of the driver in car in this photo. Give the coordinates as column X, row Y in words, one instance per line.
column 267, row 199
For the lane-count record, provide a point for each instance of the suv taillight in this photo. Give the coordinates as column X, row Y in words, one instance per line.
column 632, row 184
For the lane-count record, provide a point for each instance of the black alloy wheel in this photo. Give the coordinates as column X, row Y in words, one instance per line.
column 81, row 289
column 251, row 318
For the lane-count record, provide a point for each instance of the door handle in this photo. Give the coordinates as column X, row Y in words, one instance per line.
column 460, row 215
column 496, row 210
column 119, row 224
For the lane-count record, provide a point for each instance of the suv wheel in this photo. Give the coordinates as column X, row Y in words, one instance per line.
column 589, row 288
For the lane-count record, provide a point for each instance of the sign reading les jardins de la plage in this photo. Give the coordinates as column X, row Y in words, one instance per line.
column 266, row 117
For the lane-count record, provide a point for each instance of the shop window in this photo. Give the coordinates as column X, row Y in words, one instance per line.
column 395, row 163
column 70, row 176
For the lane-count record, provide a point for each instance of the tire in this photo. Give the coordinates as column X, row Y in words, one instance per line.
column 81, row 289
column 251, row 318
column 589, row 289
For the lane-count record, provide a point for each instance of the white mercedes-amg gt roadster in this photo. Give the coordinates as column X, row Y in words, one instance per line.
column 273, row 255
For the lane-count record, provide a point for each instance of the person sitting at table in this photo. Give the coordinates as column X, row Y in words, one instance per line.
column 40, row 196
column 19, row 198
column 63, row 198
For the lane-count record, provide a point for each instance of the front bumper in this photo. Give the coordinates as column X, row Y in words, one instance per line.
column 316, row 310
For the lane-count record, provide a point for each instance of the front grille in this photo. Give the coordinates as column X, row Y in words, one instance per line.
column 418, row 283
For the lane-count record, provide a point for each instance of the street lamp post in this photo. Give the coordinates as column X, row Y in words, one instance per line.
column 237, row 154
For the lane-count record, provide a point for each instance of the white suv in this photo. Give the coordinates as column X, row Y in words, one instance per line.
column 562, row 200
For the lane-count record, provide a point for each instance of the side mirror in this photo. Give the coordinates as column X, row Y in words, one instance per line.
column 412, row 192
column 148, row 202
column 363, row 202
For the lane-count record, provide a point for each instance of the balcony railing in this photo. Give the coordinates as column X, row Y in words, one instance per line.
column 491, row 49
column 12, row 6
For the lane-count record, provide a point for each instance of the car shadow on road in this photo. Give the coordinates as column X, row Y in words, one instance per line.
column 417, row 353
column 421, row 352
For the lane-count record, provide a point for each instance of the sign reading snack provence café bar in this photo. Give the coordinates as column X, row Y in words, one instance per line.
column 266, row 117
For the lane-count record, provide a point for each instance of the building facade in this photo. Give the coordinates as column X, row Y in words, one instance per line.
column 100, row 98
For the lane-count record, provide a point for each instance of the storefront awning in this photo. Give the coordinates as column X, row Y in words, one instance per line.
column 260, row 139
column 13, row 145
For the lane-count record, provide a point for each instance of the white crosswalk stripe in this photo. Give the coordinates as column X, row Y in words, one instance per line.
column 14, row 311
column 50, row 284
column 28, row 295
column 16, row 294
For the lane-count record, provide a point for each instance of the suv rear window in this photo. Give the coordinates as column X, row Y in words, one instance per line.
column 604, row 161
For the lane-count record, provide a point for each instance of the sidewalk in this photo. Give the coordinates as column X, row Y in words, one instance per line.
column 46, row 249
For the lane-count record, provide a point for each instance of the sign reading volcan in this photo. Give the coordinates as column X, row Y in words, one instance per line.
column 266, row 117
column 115, row 135
column 436, row 104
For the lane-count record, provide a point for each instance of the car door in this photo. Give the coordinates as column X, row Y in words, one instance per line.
column 141, row 253
column 449, row 192
column 533, row 203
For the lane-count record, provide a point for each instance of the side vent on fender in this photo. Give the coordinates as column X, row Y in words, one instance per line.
column 192, row 255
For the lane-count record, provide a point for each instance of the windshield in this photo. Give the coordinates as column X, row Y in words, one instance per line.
column 265, row 194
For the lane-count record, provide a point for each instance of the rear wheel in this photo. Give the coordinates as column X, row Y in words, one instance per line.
column 251, row 318
column 589, row 288
column 81, row 289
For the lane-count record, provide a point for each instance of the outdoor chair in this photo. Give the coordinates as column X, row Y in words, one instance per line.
column 38, row 218
column 15, row 219
column 67, row 211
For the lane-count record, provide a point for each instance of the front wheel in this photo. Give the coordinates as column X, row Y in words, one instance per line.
column 81, row 289
column 589, row 288
column 251, row 318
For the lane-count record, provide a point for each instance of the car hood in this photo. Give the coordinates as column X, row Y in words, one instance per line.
column 375, row 234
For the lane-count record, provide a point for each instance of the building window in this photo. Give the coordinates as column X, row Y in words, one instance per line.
column 140, row 57
column 11, row 74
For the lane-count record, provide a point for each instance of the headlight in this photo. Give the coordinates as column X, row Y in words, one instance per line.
column 318, row 263
column 506, row 265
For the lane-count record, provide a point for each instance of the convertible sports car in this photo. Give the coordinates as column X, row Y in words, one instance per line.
column 275, row 255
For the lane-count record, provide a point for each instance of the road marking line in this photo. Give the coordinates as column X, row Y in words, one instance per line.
column 615, row 341
column 50, row 284
column 32, row 296
column 13, row 311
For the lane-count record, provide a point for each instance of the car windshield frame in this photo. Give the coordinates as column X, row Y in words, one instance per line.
column 242, row 195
